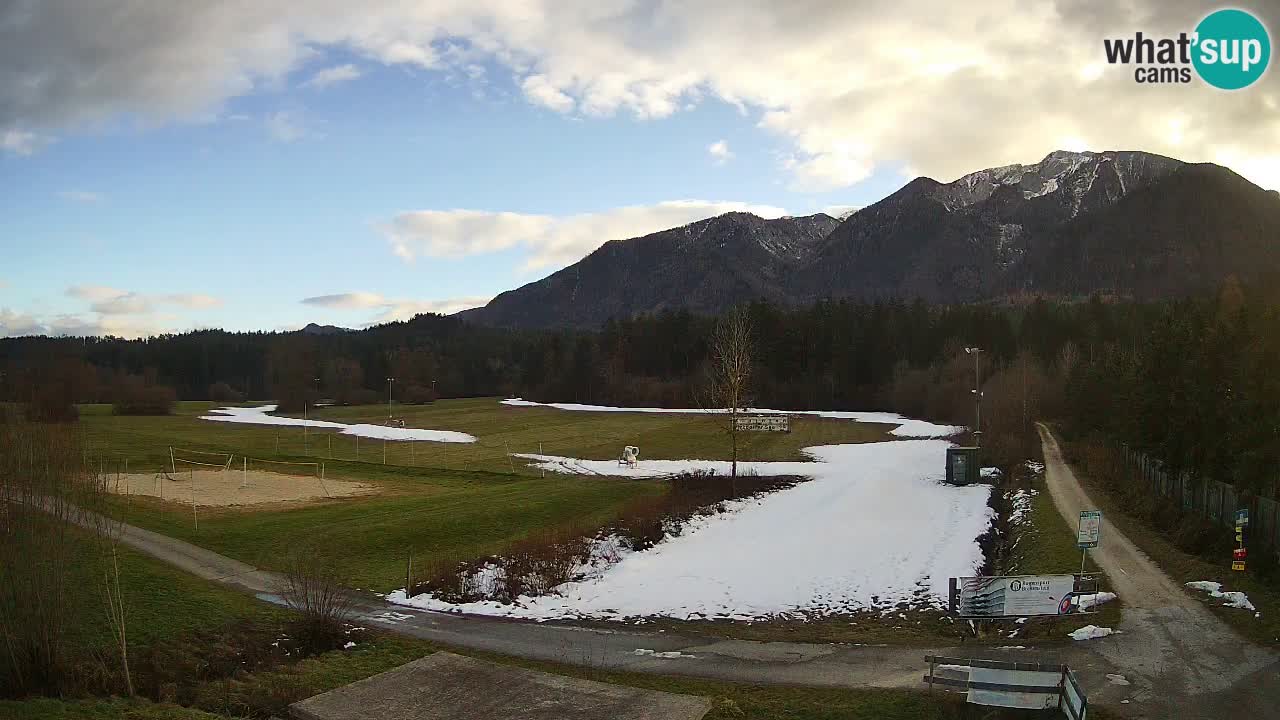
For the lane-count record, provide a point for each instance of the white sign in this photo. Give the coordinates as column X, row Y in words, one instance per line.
column 1090, row 528
column 1016, row 596
column 764, row 423
column 1023, row 681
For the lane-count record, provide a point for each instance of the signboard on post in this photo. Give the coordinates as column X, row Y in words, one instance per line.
column 1242, row 518
column 763, row 423
column 1090, row 529
column 1014, row 596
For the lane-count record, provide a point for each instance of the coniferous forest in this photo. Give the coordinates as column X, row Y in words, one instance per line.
column 1191, row 382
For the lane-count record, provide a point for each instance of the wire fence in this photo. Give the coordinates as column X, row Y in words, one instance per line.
column 1213, row 500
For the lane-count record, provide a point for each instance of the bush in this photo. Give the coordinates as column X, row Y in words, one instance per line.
column 223, row 392
column 133, row 396
column 314, row 590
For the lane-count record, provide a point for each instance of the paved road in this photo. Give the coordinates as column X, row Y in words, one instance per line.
column 1181, row 659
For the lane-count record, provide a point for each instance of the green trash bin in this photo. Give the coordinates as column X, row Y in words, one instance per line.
column 962, row 465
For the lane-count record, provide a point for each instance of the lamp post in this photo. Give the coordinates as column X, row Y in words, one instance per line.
column 389, row 381
column 977, row 394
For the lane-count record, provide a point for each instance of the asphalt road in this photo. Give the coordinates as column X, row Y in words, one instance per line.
column 1178, row 660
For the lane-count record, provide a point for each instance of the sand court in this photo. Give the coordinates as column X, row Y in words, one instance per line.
column 229, row 488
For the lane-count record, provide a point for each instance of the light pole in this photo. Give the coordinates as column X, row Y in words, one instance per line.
column 977, row 394
column 389, row 381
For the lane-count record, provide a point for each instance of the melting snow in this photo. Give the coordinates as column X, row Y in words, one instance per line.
column 1088, row 602
column 906, row 427
column 874, row 528
column 1233, row 599
column 258, row 416
column 1090, row 632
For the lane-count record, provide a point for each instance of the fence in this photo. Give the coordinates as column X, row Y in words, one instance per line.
column 1211, row 499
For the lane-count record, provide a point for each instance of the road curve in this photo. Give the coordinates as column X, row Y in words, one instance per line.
column 1181, row 660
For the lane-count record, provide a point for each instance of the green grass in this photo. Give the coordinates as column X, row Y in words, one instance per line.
column 110, row 709
column 499, row 428
column 1048, row 546
column 457, row 500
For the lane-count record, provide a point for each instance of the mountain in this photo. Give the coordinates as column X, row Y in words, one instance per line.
column 314, row 329
column 703, row 267
column 1126, row 223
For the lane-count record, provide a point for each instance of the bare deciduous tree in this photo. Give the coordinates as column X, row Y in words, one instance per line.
column 729, row 377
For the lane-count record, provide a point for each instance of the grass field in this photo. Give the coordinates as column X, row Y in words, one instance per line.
column 500, row 429
column 457, row 500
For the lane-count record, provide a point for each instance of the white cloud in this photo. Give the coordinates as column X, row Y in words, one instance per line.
column 129, row 304
column 14, row 324
column 95, row 293
column 193, row 301
column 943, row 87
column 540, row 91
column 333, row 75
column 720, row 152
column 21, row 142
column 550, row 240
column 285, row 126
column 392, row 310
column 81, row 196
column 347, row 301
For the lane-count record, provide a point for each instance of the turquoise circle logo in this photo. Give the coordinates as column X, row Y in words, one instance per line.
column 1232, row 49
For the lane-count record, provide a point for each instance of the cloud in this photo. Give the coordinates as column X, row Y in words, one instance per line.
column 941, row 87
column 333, row 75
column 21, row 142
column 95, row 293
column 284, row 126
column 550, row 240
column 192, row 301
column 81, row 196
column 128, row 304
column 15, row 324
column 720, row 152
column 392, row 310
column 346, row 301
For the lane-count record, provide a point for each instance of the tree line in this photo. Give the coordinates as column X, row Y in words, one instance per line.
column 1189, row 381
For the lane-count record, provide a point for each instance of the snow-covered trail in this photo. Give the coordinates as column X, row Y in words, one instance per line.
column 874, row 527
column 906, row 427
column 259, row 416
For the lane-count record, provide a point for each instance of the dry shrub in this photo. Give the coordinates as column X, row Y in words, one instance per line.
column 318, row 594
column 134, row 396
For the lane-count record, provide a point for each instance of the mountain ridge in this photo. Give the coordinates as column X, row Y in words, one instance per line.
column 1072, row 223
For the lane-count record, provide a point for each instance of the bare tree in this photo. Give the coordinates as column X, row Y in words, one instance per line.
column 729, row 380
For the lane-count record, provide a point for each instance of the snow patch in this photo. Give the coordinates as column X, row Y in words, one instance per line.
column 906, row 427
column 258, row 416
column 832, row 545
column 1233, row 599
column 1087, row 602
column 1090, row 632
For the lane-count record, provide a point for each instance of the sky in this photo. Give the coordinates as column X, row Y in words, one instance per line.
column 259, row 164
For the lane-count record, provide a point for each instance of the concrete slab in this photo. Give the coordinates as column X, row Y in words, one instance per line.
column 444, row 686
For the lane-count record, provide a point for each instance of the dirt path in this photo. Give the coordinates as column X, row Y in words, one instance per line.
column 1182, row 660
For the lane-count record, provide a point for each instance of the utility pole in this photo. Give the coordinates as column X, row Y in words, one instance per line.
column 977, row 394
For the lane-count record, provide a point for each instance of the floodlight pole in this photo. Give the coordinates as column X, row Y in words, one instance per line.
column 389, row 381
column 977, row 394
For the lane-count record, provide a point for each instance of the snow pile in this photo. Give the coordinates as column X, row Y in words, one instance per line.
column 1035, row 467
column 906, row 427
column 1088, row 602
column 1233, row 599
column 874, row 528
column 1020, row 502
column 258, row 416
column 1090, row 632
column 990, row 473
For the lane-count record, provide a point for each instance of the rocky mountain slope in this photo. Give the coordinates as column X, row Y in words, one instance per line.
column 1127, row 223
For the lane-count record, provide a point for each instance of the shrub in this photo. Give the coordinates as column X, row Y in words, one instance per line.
column 133, row 396
column 318, row 594
column 223, row 392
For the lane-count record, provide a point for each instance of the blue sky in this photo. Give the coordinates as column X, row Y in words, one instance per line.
column 163, row 170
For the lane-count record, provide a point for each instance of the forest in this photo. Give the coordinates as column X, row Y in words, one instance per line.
column 1190, row 381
